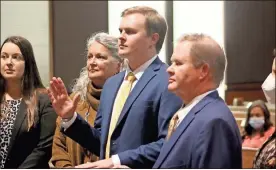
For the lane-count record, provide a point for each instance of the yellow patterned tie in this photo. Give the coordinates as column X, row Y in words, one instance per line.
column 172, row 126
column 118, row 106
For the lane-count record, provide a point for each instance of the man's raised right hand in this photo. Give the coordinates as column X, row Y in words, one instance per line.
column 62, row 104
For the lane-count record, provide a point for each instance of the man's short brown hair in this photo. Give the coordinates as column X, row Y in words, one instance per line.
column 155, row 23
column 205, row 49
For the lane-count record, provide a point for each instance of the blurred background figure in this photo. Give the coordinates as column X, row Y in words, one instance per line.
column 102, row 62
column 266, row 156
column 269, row 84
column 258, row 127
column 27, row 117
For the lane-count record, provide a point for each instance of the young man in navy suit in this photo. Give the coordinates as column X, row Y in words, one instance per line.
column 135, row 136
column 206, row 134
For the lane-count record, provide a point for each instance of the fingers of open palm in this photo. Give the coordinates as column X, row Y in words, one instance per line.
column 61, row 105
column 61, row 87
column 50, row 95
column 120, row 167
column 62, row 97
column 58, row 90
column 53, row 89
column 86, row 165
column 80, row 166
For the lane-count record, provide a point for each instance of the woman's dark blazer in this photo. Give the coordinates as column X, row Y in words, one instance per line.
column 32, row 149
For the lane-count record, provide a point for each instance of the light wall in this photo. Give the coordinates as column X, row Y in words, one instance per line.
column 115, row 8
column 200, row 17
column 29, row 19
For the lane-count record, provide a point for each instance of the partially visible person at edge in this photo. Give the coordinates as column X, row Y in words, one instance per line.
column 266, row 155
column 27, row 117
column 102, row 62
column 258, row 127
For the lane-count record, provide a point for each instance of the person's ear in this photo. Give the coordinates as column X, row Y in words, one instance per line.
column 204, row 71
column 154, row 38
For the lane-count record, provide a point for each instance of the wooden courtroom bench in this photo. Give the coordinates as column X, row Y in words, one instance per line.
column 248, row 155
column 240, row 122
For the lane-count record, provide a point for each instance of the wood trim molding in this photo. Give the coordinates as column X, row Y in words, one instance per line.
column 169, row 42
column 243, row 86
column 51, row 41
column 246, row 91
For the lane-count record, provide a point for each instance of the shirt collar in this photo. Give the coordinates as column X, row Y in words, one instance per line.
column 140, row 70
column 187, row 108
column 200, row 97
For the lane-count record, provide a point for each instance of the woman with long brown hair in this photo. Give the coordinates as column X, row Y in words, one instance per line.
column 27, row 117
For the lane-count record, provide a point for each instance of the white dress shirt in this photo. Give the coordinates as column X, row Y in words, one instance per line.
column 138, row 74
column 185, row 110
column 139, row 71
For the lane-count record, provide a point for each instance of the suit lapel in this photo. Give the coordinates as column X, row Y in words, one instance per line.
column 110, row 100
column 149, row 73
column 167, row 147
column 20, row 117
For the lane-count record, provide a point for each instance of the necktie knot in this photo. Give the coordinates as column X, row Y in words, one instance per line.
column 175, row 118
column 131, row 77
column 172, row 125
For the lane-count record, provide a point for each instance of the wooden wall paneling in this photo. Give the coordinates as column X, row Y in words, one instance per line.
column 72, row 23
column 249, row 41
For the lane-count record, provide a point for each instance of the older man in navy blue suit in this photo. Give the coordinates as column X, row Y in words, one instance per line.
column 130, row 128
column 204, row 133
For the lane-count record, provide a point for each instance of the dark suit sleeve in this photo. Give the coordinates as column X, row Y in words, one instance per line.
column 145, row 155
column 215, row 147
column 89, row 137
column 41, row 154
